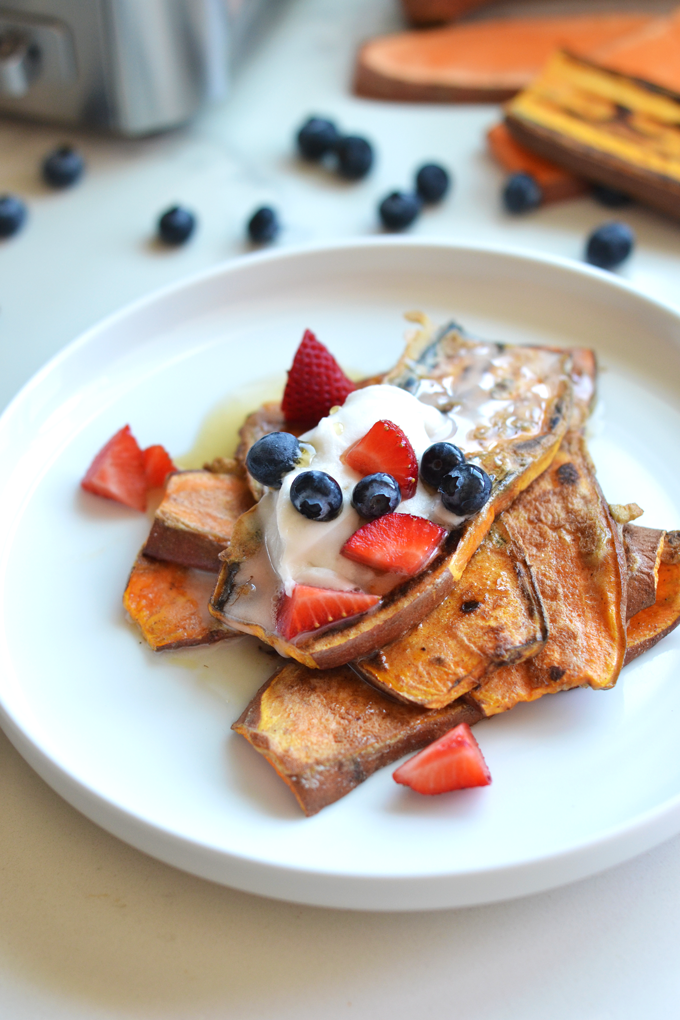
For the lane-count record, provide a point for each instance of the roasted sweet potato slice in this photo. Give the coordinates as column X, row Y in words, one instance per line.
column 643, row 548
column 514, row 444
column 170, row 605
column 193, row 524
column 650, row 53
column 556, row 183
column 493, row 616
column 604, row 126
column 482, row 61
column 563, row 526
column 648, row 627
column 325, row 732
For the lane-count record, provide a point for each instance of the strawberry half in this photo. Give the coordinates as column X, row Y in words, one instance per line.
column 117, row 472
column 454, row 762
column 386, row 448
column 315, row 384
column 157, row 466
column 309, row 608
column 399, row 543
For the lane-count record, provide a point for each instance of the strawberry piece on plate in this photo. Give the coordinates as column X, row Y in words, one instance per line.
column 157, row 466
column 398, row 543
column 386, row 448
column 309, row 608
column 315, row 384
column 117, row 472
column 454, row 762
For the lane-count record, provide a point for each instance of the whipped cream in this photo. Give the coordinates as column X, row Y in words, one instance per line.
column 302, row 551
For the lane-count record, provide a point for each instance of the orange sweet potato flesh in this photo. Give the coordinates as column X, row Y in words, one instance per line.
column 493, row 616
column 648, row 627
column 485, row 61
column 326, row 731
column 195, row 520
column 651, row 53
column 555, row 182
column 604, row 126
column 170, row 605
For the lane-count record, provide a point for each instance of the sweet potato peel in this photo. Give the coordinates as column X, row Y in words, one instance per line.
column 493, row 616
column 170, row 604
column 648, row 627
column 643, row 548
column 325, row 732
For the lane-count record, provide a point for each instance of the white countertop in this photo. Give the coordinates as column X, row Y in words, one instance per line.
column 90, row 928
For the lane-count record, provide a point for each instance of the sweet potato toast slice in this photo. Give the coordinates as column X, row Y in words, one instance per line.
column 326, row 731
column 482, row 61
column 170, row 605
column 564, row 528
column 604, row 126
column 493, row 616
column 556, row 183
column 650, row 53
column 195, row 520
column 530, row 407
column 650, row 625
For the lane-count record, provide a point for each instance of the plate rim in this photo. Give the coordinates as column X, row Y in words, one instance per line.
column 639, row 833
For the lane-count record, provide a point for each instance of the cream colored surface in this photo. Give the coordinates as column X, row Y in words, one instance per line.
column 92, row 930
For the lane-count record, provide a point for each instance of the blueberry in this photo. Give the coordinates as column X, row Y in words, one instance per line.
column 521, row 193
column 610, row 245
column 432, row 182
column 263, row 225
column 63, row 167
column 399, row 210
column 465, row 489
column 12, row 215
column 611, row 197
column 355, row 157
column 316, row 138
column 376, row 495
column 272, row 457
column 437, row 461
column 176, row 225
column 316, row 495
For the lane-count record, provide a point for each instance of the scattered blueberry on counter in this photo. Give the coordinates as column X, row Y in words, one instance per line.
column 610, row 245
column 521, row 193
column 316, row 495
column 355, row 157
column 272, row 457
column 316, row 138
column 399, row 210
column 376, row 495
column 465, row 489
column 432, row 182
column 263, row 225
column 63, row 167
column 176, row 225
column 12, row 215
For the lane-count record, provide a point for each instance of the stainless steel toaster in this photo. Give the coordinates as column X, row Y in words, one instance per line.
column 127, row 66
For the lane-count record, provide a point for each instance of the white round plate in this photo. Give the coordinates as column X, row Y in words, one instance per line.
column 141, row 742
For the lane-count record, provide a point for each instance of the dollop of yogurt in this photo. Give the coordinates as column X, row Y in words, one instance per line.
column 303, row 551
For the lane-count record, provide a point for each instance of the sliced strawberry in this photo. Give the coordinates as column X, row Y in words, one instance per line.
column 454, row 762
column 399, row 543
column 157, row 466
column 309, row 608
column 386, row 448
column 117, row 472
column 315, row 384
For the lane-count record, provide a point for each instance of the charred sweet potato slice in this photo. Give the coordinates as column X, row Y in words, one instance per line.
column 195, row 521
column 170, row 605
column 563, row 526
column 326, row 731
column 532, row 402
column 493, row 616
column 604, row 126
column 643, row 548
